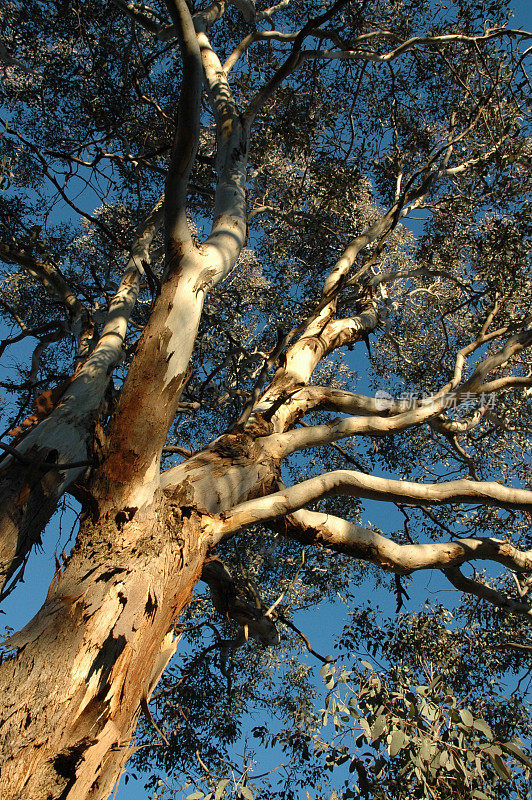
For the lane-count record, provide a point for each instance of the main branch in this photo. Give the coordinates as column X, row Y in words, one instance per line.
column 357, row 484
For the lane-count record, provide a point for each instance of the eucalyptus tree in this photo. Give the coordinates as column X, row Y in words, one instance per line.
column 203, row 207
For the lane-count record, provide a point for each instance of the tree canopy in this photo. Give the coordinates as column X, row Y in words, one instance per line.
column 265, row 270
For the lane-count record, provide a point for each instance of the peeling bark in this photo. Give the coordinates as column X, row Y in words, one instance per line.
column 104, row 634
column 101, row 640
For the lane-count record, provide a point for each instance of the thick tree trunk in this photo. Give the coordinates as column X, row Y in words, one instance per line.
column 87, row 662
column 93, row 654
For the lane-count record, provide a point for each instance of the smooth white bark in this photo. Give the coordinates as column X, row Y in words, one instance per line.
column 339, row 534
column 358, row 484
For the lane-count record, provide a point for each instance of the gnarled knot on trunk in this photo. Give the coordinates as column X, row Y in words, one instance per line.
column 227, row 601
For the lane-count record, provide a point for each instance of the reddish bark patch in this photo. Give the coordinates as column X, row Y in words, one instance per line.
column 44, row 405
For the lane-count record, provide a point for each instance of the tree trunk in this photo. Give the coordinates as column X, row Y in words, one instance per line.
column 91, row 657
column 93, row 654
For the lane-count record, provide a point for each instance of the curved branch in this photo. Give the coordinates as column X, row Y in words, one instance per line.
column 515, row 344
column 426, row 411
column 353, row 54
column 335, row 533
column 326, row 398
column 358, row 484
column 339, row 535
column 470, row 586
column 318, row 435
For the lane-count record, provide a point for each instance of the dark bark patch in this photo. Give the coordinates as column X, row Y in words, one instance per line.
column 187, row 511
column 174, row 255
column 151, row 606
column 125, row 515
column 107, row 656
column 66, row 762
column 110, row 573
column 52, row 457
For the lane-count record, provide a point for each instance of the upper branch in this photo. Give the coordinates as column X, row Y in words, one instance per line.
column 186, row 140
column 317, row 435
column 229, row 229
column 394, row 417
column 319, row 335
column 355, row 53
column 291, row 63
column 50, row 276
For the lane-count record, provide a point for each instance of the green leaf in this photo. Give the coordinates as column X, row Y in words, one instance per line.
column 398, row 741
column 431, row 712
column 364, row 724
column 500, row 767
column 246, row 792
column 378, row 727
column 426, row 750
column 494, row 749
column 466, row 717
column 514, row 750
column 195, row 796
column 482, row 726
column 220, row 789
column 327, row 669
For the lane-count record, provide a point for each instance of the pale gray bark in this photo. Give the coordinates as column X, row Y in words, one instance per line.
column 337, row 533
